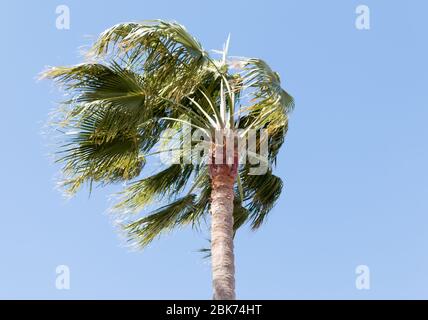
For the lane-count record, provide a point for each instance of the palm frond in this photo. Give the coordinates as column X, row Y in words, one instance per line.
column 96, row 154
column 266, row 84
column 147, row 35
column 261, row 194
column 141, row 193
column 240, row 213
column 164, row 51
column 144, row 230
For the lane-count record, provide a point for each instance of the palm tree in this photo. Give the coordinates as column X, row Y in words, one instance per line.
column 143, row 80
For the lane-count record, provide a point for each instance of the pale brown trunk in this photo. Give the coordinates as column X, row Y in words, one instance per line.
column 222, row 257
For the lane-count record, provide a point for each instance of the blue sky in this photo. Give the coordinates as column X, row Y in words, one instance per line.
column 354, row 163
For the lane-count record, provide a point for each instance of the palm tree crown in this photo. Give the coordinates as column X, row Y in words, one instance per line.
column 142, row 80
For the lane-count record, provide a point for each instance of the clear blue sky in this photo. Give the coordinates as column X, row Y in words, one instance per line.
column 354, row 164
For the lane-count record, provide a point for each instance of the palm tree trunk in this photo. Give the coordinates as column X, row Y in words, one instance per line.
column 222, row 257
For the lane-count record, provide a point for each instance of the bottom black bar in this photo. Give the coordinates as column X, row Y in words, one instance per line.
column 205, row 309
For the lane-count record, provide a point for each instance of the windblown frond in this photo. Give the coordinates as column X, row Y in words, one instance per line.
column 164, row 183
column 260, row 195
column 95, row 153
column 144, row 230
column 266, row 84
column 164, row 51
column 145, row 36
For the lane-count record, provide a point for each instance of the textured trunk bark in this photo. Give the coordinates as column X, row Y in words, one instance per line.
column 222, row 257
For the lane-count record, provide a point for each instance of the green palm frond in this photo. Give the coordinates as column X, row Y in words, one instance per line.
column 95, row 153
column 261, row 193
column 143, row 192
column 164, row 51
column 267, row 84
column 144, row 230
column 206, row 252
column 240, row 213
column 147, row 36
